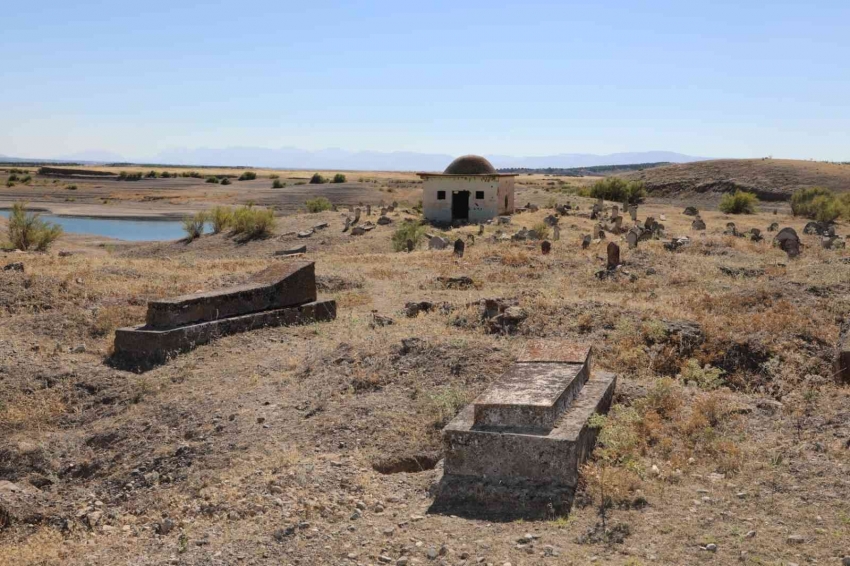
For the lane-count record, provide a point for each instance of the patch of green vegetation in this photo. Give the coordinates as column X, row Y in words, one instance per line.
column 247, row 176
column 277, row 184
column 317, row 179
column 619, row 190
column 412, row 230
column 820, row 204
column 318, row 204
column 705, row 377
column 225, row 181
column 339, row 178
column 194, row 225
column 28, row 231
column 739, row 202
column 125, row 176
column 252, row 223
column 212, row 179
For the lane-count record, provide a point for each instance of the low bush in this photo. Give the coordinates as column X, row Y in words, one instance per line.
column 26, row 180
column 151, row 175
column 318, row 204
column 251, row 223
column 273, row 176
column 192, row 174
column 28, row 231
column 71, row 187
column 13, row 177
column 739, row 202
column 820, row 204
column 225, row 181
column 618, row 190
column 10, row 183
column 166, row 175
column 125, row 176
column 339, row 178
column 542, row 230
column 276, row 184
column 220, row 217
column 247, row 176
column 407, row 231
column 194, row 225
column 212, row 180
column 317, row 179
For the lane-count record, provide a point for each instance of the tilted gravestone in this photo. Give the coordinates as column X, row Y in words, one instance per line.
column 356, row 215
column 556, row 232
column 437, row 243
column 613, row 255
column 459, row 247
column 698, row 224
column 283, row 294
column 788, row 241
column 585, row 241
column 545, row 247
column 633, row 237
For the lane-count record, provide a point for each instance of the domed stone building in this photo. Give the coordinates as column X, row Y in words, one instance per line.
column 470, row 189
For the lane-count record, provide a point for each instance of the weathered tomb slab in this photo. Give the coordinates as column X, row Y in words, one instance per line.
column 555, row 352
column 144, row 346
column 529, row 397
column 282, row 285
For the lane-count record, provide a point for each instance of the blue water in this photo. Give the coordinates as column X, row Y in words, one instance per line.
column 130, row 230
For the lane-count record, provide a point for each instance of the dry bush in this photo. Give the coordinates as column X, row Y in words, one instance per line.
column 27, row 230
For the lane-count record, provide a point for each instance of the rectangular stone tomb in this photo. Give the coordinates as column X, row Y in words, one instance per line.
column 144, row 346
column 282, row 285
column 516, row 449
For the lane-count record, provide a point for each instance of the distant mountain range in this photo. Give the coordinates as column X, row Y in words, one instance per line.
column 294, row 158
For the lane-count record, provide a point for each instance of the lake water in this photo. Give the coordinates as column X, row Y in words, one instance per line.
column 130, row 230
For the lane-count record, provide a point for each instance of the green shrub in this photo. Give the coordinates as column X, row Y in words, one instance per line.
column 194, row 225
column 339, row 178
column 192, row 174
column 220, row 217
column 820, row 204
column 318, row 204
column 27, row 230
column 26, row 180
column 212, row 180
column 317, row 179
column 124, row 176
column 247, row 176
column 408, row 231
column 225, row 181
column 71, row 187
column 250, row 222
column 151, row 175
column 273, row 176
column 739, row 202
column 166, row 175
column 276, row 184
column 619, row 190
column 13, row 177
column 705, row 377
column 10, row 183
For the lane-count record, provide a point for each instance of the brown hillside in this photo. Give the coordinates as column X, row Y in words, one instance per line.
column 770, row 179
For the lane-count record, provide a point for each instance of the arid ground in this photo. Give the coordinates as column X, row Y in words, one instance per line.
column 729, row 442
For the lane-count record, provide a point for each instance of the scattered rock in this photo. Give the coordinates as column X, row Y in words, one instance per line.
column 690, row 211
column 15, row 266
column 292, row 251
column 460, row 282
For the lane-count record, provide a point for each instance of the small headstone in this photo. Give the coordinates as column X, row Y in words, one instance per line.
column 471, row 239
column 480, row 229
column 551, row 220
column 698, row 224
column 650, row 224
column 755, row 235
column 384, row 220
column 437, row 243
column 546, row 247
column 788, row 241
column 615, row 211
column 390, row 209
column 347, row 224
column 632, row 238
column 556, row 232
column 585, row 241
column 662, row 218
column 395, row 204
column 459, row 247
column 358, row 231
column 384, row 211
column 773, row 227
column 599, row 232
column 410, row 245
column 731, row 229
column 633, row 212
column 357, row 215
column 368, row 210
column 613, row 255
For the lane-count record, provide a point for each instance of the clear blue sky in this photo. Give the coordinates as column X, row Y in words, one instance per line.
column 736, row 79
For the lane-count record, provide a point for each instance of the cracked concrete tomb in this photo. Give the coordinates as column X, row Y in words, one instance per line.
column 281, row 295
column 514, row 452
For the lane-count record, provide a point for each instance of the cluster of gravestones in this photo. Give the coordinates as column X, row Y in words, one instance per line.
column 357, row 229
column 753, row 234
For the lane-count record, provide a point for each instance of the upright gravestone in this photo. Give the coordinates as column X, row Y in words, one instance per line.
column 615, row 211
column 556, row 232
column 599, row 232
column 459, row 247
column 545, row 247
column 437, row 243
column 633, row 212
column 585, row 241
column 356, row 215
column 632, row 238
column 410, row 245
column 383, row 211
column 368, row 210
column 480, row 229
column 347, row 224
column 613, row 255
column 773, row 227
column 697, row 224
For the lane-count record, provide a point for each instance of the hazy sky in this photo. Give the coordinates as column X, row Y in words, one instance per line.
column 736, row 79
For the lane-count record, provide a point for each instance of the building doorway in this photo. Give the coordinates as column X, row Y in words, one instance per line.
column 460, row 205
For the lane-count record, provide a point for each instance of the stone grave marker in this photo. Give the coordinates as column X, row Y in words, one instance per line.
column 459, row 247
column 633, row 212
column 613, row 255
column 556, row 232
column 697, row 224
column 788, row 241
column 545, row 247
column 632, row 238
column 437, row 243
column 585, row 241
column 410, row 245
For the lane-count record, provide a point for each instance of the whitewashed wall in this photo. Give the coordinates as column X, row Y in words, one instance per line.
column 495, row 189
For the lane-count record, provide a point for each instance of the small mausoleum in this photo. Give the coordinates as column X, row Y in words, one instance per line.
column 469, row 190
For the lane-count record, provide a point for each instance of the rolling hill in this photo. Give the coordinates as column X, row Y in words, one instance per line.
column 770, row 179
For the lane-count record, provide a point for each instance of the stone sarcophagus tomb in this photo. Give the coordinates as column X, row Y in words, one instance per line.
column 515, row 451
column 282, row 295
